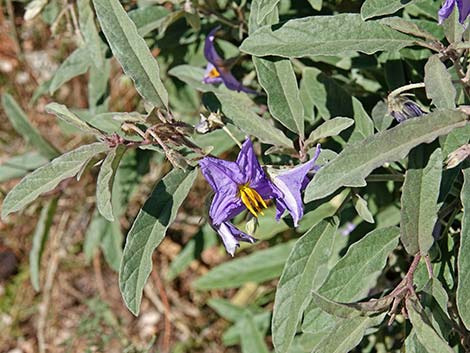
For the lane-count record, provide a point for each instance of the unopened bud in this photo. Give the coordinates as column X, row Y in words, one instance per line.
column 208, row 124
column 458, row 156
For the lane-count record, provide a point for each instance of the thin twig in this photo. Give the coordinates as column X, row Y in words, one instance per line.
column 99, row 275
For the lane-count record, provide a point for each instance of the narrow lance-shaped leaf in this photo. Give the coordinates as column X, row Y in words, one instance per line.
column 104, row 184
column 62, row 112
column 41, row 233
column 88, row 29
column 264, row 8
column 329, row 128
column 21, row 124
column 278, row 79
column 325, row 35
column 463, row 287
column 347, row 334
column 425, row 333
column 375, row 8
column 419, row 199
column 75, row 65
column 49, row 176
column 438, row 83
column 251, row 337
column 236, row 106
column 21, row 165
column 131, row 51
column 357, row 161
column 148, row 230
column 258, row 267
column 302, row 272
column 353, row 275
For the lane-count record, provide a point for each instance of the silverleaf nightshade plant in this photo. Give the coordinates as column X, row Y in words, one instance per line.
column 244, row 185
column 218, row 70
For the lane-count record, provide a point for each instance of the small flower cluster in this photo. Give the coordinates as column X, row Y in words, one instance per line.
column 244, row 185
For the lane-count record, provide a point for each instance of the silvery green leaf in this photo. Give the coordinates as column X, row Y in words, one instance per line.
column 147, row 232
column 49, row 176
column 86, row 19
column 382, row 120
column 237, row 107
column 329, row 128
column 408, row 27
column 453, row 29
column 104, row 184
column 131, row 51
column 362, row 209
column 21, row 124
column 419, row 205
column 463, row 300
column 376, row 8
column 278, row 79
column 347, row 334
column 76, row 64
column 40, row 236
column 316, row 4
column 438, row 83
column 425, row 333
column 93, row 235
column 62, row 112
column 148, row 18
column 251, row 338
column 263, row 8
column 111, row 244
column 258, row 267
column 21, row 165
column 301, row 274
column 325, row 35
column 357, row 161
column 358, row 270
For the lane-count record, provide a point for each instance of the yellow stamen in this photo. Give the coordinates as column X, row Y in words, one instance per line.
column 252, row 200
column 214, row 73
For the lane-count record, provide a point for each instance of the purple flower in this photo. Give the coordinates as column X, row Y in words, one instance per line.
column 218, row 70
column 243, row 185
column 291, row 183
column 402, row 108
column 448, row 7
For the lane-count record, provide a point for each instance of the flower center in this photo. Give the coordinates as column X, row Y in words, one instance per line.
column 214, row 73
column 251, row 199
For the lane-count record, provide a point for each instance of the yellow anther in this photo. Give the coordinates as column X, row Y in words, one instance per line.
column 252, row 200
column 214, row 73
